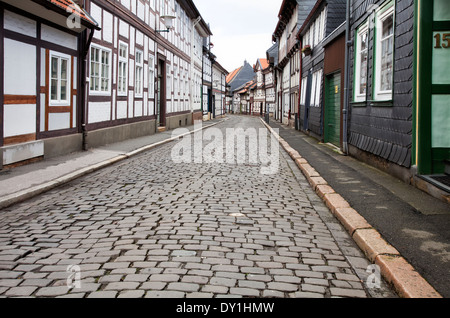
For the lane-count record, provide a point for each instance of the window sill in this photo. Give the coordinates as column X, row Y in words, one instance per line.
column 373, row 103
column 381, row 103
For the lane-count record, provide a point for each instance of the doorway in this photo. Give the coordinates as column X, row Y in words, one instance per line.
column 161, row 95
column 332, row 127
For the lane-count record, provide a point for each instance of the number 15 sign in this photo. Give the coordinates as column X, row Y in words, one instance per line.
column 441, row 56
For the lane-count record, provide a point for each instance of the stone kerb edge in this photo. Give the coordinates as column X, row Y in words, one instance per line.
column 407, row 282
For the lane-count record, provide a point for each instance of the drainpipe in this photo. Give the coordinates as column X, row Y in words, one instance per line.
column 300, row 80
column 85, row 94
column 347, row 81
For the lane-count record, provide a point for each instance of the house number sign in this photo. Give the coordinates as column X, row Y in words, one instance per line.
column 440, row 57
column 442, row 40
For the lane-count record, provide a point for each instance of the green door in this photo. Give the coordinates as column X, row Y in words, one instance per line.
column 333, row 109
column 432, row 87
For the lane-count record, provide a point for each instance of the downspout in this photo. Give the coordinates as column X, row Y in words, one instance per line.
column 347, row 81
column 300, row 80
column 84, row 101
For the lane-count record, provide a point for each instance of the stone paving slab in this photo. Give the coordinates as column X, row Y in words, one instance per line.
column 149, row 227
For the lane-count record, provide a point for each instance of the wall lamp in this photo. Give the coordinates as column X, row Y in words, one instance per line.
column 168, row 23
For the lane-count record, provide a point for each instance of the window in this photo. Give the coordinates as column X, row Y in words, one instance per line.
column 123, row 70
column 384, row 57
column 316, row 89
column 303, row 93
column 60, row 79
column 100, row 79
column 139, row 83
column 362, row 51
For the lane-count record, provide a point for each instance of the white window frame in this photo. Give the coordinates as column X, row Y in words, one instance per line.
column 357, row 96
column 60, row 57
column 381, row 16
column 122, row 91
column 99, row 91
column 139, row 73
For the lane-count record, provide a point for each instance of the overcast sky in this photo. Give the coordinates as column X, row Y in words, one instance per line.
column 242, row 29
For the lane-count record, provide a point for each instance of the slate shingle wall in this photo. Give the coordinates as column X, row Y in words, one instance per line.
column 386, row 131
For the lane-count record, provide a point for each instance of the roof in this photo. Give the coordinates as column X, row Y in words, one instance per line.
column 247, row 86
column 264, row 63
column 233, row 74
column 69, row 8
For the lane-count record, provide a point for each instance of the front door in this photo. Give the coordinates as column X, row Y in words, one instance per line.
column 333, row 109
column 161, row 95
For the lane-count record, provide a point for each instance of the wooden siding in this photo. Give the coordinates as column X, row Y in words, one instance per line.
column 386, row 131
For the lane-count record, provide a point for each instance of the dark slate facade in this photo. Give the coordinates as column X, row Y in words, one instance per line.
column 311, row 118
column 246, row 73
column 384, row 129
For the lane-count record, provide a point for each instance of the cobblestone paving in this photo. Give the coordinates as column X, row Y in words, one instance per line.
column 151, row 228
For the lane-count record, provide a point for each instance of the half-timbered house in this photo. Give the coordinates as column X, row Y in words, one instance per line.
column 42, row 58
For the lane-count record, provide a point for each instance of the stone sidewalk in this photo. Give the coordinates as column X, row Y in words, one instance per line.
column 27, row 181
column 148, row 227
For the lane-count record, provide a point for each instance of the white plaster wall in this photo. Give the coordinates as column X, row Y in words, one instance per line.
column 151, row 108
column 130, row 105
column 58, row 121
column 56, row 36
column 107, row 28
column 96, row 13
column 126, row 3
column 20, row 24
column 20, row 68
column 139, row 38
column 138, row 109
column 74, row 119
column 99, row 112
column 122, row 110
column 19, row 120
column 141, row 10
column 42, row 113
column 124, row 28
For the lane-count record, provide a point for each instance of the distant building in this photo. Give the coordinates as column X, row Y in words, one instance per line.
column 292, row 15
column 219, row 89
column 235, row 80
column 270, row 80
column 260, row 92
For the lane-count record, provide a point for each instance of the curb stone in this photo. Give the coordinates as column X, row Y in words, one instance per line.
column 29, row 193
column 407, row 282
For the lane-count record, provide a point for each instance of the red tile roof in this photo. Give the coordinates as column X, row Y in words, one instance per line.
column 72, row 8
column 248, row 86
column 264, row 63
column 233, row 74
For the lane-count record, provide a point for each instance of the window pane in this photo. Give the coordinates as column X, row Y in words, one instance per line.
column 388, row 26
column 64, row 69
column 363, row 73
column 386, row 65
column 363, row 39
column 63, row 90
column 54, row 89
column 54, row 67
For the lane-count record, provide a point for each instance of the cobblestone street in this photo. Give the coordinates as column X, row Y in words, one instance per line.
column 149, row 227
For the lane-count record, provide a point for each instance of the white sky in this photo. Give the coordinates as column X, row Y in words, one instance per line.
column 242, row 29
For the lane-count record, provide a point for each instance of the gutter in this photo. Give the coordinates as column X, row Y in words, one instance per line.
column 348, row 43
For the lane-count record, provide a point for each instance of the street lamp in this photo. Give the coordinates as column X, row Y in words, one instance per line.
column 168, row 23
